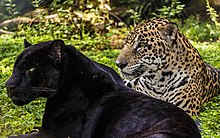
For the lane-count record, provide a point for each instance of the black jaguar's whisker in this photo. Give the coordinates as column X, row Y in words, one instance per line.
column 43, row 89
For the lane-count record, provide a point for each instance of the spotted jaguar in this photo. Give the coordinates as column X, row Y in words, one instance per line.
column 158, row 60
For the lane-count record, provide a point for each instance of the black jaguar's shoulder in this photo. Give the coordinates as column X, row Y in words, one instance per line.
column 101, row 69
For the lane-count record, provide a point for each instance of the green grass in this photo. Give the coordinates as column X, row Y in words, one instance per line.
column 210, row 112
column 16, row 120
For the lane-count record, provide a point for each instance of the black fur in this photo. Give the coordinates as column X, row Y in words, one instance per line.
column 89, row 100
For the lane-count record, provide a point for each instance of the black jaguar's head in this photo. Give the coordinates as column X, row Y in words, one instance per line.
column 36, row 72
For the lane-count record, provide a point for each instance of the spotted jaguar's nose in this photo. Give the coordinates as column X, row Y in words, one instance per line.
column 121, row 65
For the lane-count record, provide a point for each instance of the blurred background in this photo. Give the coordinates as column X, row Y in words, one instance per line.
column 73, row 18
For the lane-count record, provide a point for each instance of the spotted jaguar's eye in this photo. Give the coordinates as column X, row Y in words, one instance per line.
column 135, row 45
column 138, row 49
column 138, row 46
column 139, row 43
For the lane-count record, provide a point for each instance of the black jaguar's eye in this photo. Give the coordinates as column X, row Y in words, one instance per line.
column 30, row 71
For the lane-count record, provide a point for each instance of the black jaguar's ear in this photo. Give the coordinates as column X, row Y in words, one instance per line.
column 169, row 32
column 56, row 48
column 26, row 43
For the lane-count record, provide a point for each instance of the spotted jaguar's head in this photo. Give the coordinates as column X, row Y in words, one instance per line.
column 147, row 48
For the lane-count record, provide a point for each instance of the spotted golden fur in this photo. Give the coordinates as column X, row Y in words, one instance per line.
column 160, row 61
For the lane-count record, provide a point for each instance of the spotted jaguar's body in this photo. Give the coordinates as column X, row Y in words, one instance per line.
column 159, row 61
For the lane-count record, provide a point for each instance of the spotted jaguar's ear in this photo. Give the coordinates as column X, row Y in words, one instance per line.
column 56, row 48
column 26, row 43
column 169, row 32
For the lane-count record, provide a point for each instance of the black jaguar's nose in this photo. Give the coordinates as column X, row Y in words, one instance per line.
column 12, row 82
column 10, row 88
column 121, row 65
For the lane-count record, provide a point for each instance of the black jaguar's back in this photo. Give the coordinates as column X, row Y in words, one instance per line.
column 89, row 100
column 158, row 120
